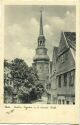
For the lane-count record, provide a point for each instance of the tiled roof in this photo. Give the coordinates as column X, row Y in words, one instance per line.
column 71, row 39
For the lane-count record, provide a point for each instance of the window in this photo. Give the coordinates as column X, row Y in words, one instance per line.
column 63, row 101
column 73, row 103
column 59, row 81
column 62, row 58
column 67, row 102
column 71, row 79
column 65, row 79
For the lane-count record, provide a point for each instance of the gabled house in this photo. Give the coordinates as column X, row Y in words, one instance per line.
column 66, row 68
column 62, row 75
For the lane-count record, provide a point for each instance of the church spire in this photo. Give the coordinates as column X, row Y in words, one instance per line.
column 41, row 38
column 41, row 24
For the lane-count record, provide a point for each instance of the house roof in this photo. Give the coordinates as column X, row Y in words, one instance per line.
column 55, row 49
column 71, row 39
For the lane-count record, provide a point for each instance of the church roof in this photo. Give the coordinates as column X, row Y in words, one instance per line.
column 41, row 24
column 71, row 39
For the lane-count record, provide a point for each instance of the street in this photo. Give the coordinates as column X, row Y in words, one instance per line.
column 43, row 100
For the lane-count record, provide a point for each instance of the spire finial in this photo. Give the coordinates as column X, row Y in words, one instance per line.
column 41, row 23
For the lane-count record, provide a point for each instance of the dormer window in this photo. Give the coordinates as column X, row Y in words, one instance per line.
column 61, row 58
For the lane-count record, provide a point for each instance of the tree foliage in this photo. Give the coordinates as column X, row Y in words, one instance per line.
column 21, row 82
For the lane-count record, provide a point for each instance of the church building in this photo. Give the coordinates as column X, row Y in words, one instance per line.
column 41, row 59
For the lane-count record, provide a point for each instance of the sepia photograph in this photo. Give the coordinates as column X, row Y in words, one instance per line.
column 39, row 54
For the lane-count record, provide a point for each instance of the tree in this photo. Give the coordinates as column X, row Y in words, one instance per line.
column 26, row 86
column 8, row 83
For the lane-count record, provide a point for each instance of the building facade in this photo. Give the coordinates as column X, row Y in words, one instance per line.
column 41, row 59
column 53, row 76
column 63, row 70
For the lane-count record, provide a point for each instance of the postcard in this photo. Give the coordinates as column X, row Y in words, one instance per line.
column 40, row 60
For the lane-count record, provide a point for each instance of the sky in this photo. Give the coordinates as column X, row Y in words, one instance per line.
column 22, row 23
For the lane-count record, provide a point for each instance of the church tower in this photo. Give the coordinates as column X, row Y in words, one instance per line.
column 41, row 59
